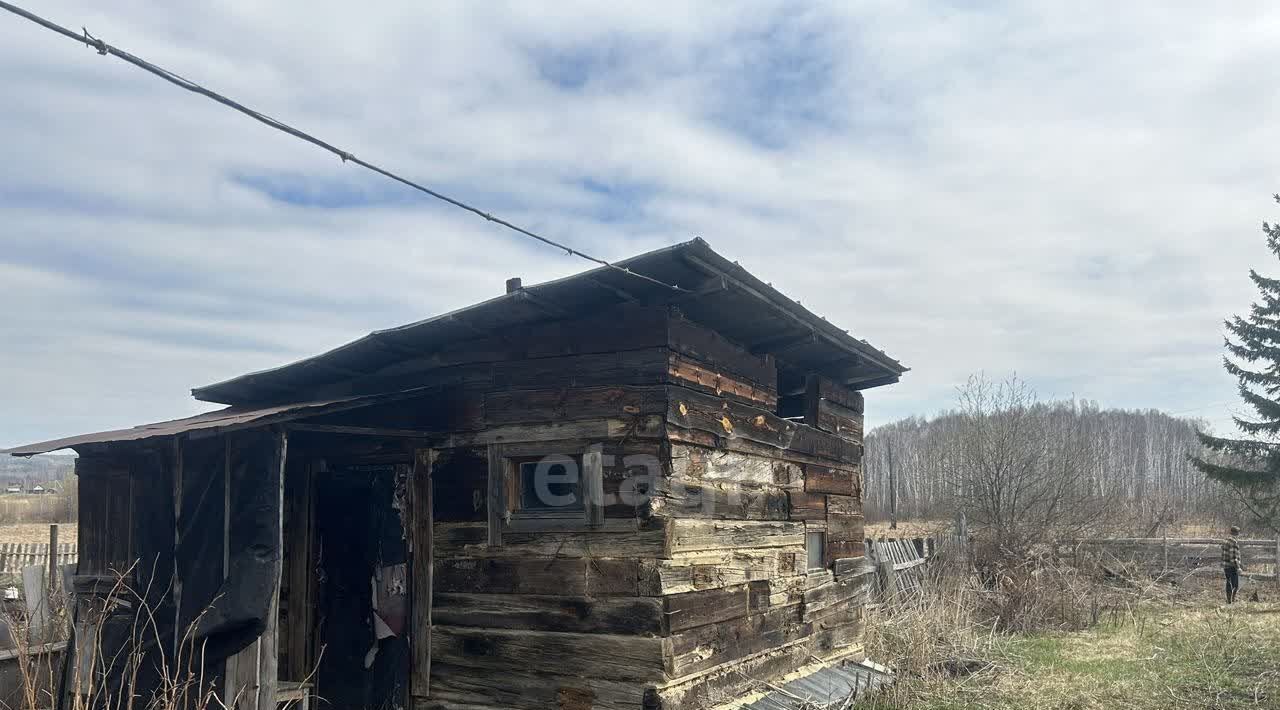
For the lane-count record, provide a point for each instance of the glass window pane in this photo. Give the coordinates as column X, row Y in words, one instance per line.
column 815, row 545
column 550, row 484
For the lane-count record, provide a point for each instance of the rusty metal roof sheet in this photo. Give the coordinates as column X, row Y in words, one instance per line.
column 234, row 417
column 718, row 293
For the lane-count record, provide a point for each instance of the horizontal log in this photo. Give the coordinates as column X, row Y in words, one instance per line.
column 713, row 645
column 820, row 388
column 696, row 375
column 613, row 615
column 692, row 535
column 692, row 609
column 703, row 464
column 729, row 420
column 851, row 590
column 553, row 576
column 708, row 440
column 844, row 505
column 602, row 656
column 1269, row 544
column 627, row 367
column 837, row 641
column 562, row 404
column 638, row 426
column 841, row 421
column 724, row 569
column 707, row 346
column 841, row 526
column 457, row 687
column 807, row 506
column 844, row 549
column 685, row 499
column 825, row 479
column 711, row 689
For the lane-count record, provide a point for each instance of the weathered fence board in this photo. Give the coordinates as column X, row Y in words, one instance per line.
column 16, row 555
column 1170, row 554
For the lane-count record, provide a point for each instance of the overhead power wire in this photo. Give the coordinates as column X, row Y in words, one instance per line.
column 104, row 49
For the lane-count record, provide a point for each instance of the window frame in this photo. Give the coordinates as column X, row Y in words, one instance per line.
column 504, row 489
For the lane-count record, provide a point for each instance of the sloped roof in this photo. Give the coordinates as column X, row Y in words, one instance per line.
column 225, row 419
column 715, row 292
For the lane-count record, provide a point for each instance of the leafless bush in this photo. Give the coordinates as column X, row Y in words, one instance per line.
column 181, row 682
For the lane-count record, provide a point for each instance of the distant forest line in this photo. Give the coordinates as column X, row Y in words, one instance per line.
column 37, row 469
column 1137, row 457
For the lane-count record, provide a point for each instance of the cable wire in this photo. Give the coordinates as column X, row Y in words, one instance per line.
column 106, row 49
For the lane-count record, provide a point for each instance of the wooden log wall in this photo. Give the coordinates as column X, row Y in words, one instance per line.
column 745, row 488
column 669, row 601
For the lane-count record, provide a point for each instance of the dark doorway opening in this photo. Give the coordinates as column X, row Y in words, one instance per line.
column 362, row 591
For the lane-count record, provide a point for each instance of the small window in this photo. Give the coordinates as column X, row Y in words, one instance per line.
column 535, row 488
column 815, row 545
column 549, row 484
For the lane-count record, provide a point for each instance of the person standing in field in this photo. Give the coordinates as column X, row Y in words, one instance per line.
column 1231, row 563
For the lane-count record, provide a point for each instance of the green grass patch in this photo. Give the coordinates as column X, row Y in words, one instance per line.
column 1193, row 654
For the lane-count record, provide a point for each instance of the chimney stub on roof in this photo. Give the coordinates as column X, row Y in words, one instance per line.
column 513, row 284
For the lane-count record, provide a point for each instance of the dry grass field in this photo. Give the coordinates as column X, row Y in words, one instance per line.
column 36, row 533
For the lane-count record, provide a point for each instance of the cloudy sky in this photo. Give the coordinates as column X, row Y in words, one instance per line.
column 1072, row 191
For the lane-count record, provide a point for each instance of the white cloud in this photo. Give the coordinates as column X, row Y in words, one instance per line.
column 1070, row 192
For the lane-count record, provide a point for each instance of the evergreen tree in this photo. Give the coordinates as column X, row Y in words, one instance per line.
column 1251, row 465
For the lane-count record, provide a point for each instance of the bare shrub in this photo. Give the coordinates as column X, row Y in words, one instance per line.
column 181, row 682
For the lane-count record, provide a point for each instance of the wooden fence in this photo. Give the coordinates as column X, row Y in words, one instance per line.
column 16, row 555
column 1165, row 555
column 900, row 563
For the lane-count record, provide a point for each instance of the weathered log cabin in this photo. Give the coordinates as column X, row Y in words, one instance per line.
column 590, row 493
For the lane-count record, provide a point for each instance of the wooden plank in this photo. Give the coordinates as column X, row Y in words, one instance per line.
column 844, row 549
column 710, row 347
column 680, row 498
column 690, row 373
column 552, row 577
column 705, row 647
column 819, row 387
column 807, row 506
column 730, row 420
column 723, row 568
column 692, row 609
column 825, row 479
column 269, row 642
column 603, row 656
column 628, row 367
column 638, row 427
column 458, row 688
column 702, row 465
column 497, row 495
column 298, row 604
column 841, row 421
column 422, row 524
column 593, row 486
column 504, row 407
column 611, row 615
column 841, row 526
column 695, row 535
column 736, row 680
column 36, row 597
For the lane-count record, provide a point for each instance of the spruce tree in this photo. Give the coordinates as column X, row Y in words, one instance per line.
column 1250, row 466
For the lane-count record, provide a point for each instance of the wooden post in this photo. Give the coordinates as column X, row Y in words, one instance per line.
column 53, row 559
column 1277, row 559
column 1165, row 549
column 37, row 600
column 421, row 581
